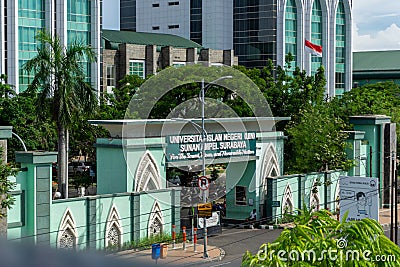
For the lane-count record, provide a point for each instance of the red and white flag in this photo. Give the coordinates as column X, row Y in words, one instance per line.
column 314, row 49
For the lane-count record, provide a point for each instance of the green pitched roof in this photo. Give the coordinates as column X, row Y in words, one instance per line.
column 376, row 61
column 143, row 38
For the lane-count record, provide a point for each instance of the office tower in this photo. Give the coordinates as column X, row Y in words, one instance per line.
column 72, row 20
column 257, row 30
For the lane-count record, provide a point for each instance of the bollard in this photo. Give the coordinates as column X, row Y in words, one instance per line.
column 184, row 237
column 194, row 239
column 173, row 236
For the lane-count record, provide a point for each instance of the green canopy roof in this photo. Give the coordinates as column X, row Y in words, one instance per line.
column 376, row 61
column 114, row 38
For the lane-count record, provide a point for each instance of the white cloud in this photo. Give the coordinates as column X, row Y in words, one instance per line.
column 387, row 39
column 376, row 25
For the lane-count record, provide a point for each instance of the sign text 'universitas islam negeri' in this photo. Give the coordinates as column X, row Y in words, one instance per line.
column 216, row 145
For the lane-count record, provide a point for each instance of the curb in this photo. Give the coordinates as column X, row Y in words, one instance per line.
column 271, row 227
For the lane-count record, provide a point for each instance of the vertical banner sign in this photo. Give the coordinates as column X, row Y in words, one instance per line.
column 217, row 145
column 359, row 196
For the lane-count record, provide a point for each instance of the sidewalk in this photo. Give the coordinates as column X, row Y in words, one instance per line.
column 384, row 217
column 177, row 256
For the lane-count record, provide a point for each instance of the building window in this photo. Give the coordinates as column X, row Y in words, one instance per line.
column 156, row 28
column 340, row 59
column 179, row 64
column 291, row 32
column 156, row 5
column 175, row 3
column 240, row 195
column 316, row 34
column 136, row 67
column 111, row 76
column 175, row 26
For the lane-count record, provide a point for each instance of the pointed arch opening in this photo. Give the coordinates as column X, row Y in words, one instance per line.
column 114, row 230
column 270, row 167
column 156, row 221
column 337, row 198
column 67, row 232
column 314, row 198
column 147, row 175
column 287, row 201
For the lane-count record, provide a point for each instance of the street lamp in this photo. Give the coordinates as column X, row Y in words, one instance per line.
column 203, row 135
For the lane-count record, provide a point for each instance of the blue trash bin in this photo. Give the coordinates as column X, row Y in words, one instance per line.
column 155, row 251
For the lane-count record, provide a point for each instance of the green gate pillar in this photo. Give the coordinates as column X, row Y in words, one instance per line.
column 5, row 133
column 38, row 193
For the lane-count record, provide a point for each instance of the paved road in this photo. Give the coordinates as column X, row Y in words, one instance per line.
column 387, row 233
column 235, row 242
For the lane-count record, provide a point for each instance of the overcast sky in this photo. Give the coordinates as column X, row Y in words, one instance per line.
column 376, row 23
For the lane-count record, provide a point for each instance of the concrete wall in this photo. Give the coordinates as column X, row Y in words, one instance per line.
column 314, row 190
column 36, row 218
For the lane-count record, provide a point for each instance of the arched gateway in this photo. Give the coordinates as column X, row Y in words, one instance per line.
column 249, row 148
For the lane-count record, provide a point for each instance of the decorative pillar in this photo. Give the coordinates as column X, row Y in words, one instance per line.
column 91, row 222
column 38, row 193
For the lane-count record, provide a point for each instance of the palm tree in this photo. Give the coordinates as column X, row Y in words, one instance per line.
column 59, row 79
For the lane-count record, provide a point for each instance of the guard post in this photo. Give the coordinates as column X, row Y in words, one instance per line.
column 184, row 237
column 194, row 239
column 173, row 235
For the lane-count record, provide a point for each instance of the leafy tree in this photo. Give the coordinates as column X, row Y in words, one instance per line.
column 6, row 185
column 317, row 239
column 83, row 136
column 318, row 141
column 372, row 99
column 214, row 174
column 379, row 98
column 19, row 111
column 59, row 79
column 289, row 92
column 114, row 106
column 175, row 93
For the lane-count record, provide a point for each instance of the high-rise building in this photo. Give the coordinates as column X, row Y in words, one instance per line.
column 257, row 30
column 20, row 20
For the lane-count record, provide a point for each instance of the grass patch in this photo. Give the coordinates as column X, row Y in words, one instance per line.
column 145, row 243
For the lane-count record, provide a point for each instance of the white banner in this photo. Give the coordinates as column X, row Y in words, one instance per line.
column 360, row 197
column 212, row 221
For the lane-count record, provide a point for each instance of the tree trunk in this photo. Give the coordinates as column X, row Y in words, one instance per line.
column 62, row 162
column 66, row 160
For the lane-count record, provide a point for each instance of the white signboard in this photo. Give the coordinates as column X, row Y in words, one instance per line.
column 360, row 197
column 212, row 221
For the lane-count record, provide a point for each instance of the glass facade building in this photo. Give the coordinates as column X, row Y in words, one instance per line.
column 72, row 20
column 79, row 26
column 127, row 15
column 31, row 19
column 316, row 34
column 265, row 30
column 196, row 21
column 340, row 59
column 254, row 31
column 291, row 32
